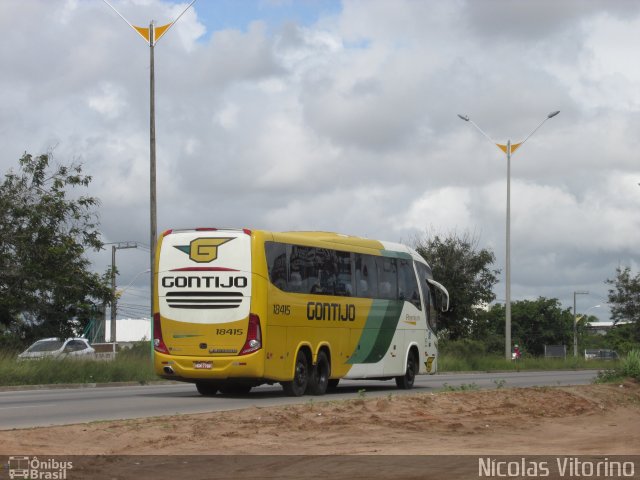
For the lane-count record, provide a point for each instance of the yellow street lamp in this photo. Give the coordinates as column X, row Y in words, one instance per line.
column 151, row 35
column 509, row 148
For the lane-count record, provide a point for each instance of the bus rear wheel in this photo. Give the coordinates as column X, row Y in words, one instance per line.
column 406, row 381
column 207, row 388
column 319, row 379
column 298, row 385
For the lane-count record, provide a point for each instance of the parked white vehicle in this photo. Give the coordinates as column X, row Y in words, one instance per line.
column 57, row 348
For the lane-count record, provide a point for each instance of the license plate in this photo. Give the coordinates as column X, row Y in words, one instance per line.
column 202, row 365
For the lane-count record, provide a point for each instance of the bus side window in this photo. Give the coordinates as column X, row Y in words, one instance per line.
column 325, row 265
column 344, row 286
column 302, row 261
column 366, row 276
column 433, row 311
column 428, row 298
column 407, row 283
column 387, row 278
column 277, row 264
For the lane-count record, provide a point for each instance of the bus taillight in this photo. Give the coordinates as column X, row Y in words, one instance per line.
column 254, row 336
column 158, row 343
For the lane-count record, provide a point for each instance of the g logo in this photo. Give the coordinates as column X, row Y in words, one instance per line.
column 205, row 250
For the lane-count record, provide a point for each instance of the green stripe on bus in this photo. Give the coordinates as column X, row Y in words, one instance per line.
column 378, row 331
column 386, row 331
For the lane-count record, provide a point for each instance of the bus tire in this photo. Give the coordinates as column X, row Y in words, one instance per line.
column 207, row 388
column 298, row 385
column 405, row 382
column 319, row 379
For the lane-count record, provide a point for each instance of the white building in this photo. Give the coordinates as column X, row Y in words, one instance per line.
column 129, row 329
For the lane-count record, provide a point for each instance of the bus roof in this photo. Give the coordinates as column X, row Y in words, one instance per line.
column 330, row 239
column 336, row 240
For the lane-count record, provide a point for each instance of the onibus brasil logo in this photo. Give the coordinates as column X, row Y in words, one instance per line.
column 35, row 468
column 203, row 250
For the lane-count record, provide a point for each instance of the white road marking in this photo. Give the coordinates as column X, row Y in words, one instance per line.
column 30, row 406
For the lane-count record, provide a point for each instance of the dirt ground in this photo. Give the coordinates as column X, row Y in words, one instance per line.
column 579, row 420
column 421, row 436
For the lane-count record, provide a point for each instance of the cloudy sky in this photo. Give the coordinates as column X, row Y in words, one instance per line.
column 341, row 116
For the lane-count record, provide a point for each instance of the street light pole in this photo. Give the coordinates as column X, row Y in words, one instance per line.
column 507, row 307
column 508, row 149
column 151, row 35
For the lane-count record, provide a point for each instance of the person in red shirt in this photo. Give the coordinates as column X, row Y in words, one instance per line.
column 516, row 352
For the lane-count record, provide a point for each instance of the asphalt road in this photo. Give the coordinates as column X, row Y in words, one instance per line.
column 45, row 407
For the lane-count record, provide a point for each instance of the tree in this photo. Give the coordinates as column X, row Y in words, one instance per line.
column 622, row 338
column 46, row 287
column 466, row 272
column 534, row 324
column 624, row 298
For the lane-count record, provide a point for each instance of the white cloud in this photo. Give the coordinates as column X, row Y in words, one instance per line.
column 447, row 208
column 108, row 101
column 348, row 124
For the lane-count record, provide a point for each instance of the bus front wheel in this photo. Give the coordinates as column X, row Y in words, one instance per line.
column 405, row 381
column 298, row 385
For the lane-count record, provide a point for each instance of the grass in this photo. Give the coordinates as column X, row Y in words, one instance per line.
column 465, row 387
column 628, row 367
column 134, row 366
column 489, row 363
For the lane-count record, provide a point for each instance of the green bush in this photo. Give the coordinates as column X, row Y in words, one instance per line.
column 462, row 348
column 139, row 351
column 630, row 366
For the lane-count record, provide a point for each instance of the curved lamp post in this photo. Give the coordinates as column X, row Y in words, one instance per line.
column 576, row 319
column 509, row 149
column 151, row 35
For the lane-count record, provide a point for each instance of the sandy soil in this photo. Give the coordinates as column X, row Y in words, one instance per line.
column 580, row 420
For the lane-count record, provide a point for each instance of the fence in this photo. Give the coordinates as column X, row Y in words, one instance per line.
column 555, row 351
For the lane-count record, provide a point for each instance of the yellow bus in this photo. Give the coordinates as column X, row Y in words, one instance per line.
column 234, row 309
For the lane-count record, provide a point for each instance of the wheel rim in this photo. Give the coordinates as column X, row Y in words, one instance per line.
column 301, row 373
column 322, row 378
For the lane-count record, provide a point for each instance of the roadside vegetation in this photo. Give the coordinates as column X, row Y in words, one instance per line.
column 628, row 367
column 495, row 363
column 132, row 365
column 474, row 355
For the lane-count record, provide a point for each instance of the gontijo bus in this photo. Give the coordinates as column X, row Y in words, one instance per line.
column 234, row 309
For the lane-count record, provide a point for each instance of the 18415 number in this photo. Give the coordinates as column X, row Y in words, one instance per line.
column 229, row 331
column 281, row 309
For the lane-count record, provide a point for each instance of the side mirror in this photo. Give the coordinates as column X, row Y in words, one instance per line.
column 442, row 300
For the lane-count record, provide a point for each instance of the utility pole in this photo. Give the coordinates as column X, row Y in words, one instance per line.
column 575, row 322
column 114, row 300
